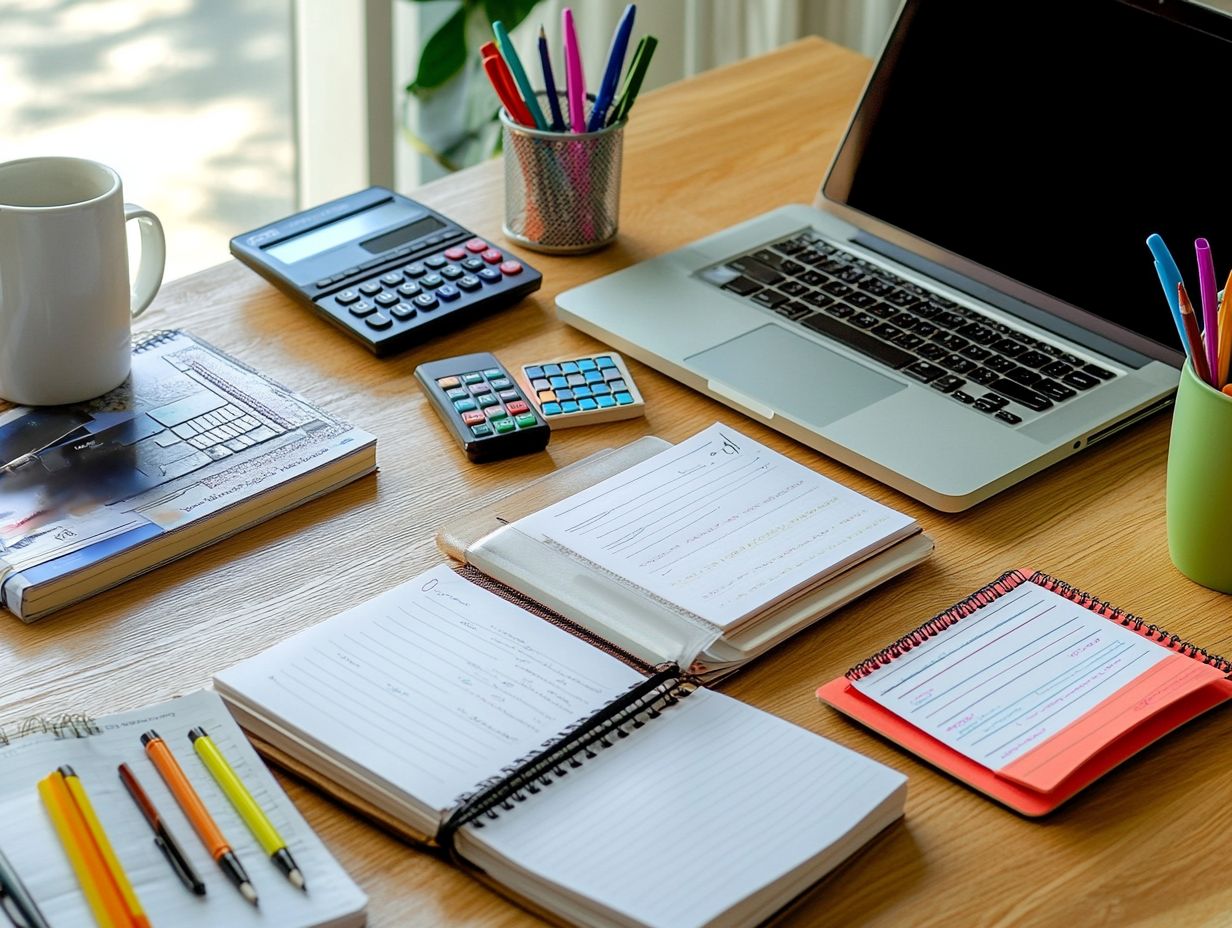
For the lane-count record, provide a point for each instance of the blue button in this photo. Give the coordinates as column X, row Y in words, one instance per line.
column 605, row 361
column 426, row 301
column 624, row 399
column 533, row 372
column 448, row 292
column 564, row 394
column 464, row 405
column 586, row 364
column 569, row 367
column 588, row 404
column 569, row 406
column 481, row 430
column 558, row 382
column 600, row 389
column 551, row 369
column 605, row 402
column 579, row 392
column 490, row 274
column 594, row 377
column 551, row 409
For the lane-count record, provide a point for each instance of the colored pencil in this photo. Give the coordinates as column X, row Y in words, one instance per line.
column 1193, row 339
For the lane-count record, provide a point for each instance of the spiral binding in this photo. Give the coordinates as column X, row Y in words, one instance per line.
column 938, row 623
column 144, row 341
column 72, row 725
column 568, row 750
column 1152, row 631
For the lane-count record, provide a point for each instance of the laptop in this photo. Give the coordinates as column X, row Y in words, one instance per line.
column 970, row 298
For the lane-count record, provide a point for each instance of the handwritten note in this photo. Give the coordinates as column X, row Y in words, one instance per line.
column 720, row 526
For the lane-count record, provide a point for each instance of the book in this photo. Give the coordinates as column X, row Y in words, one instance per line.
column 707, row 553
column 585, row 784
column 193, row 447
column 95, row 748
column 1029, row 690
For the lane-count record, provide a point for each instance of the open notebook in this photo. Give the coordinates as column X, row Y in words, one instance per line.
column 706, row 553
column 94, row 750
column 587, row 785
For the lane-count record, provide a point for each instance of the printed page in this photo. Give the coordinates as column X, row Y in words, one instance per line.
column 694, row 813
column 1028, row 667
column 719, row 526
column 433, row 686
column 31, row 844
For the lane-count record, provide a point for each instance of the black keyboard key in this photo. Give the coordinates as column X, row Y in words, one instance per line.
column 1008, row 347
column 742, row 286
column 794, row 268
column 793, row 310
column 985, row 406
column 850, row 275
column 1080, row 380
column 811, row 256
column 951, row 341
column 927, row 329
column 769, row 298
column 793, row 288
column 965, row 398
column 1033, row 358
column 770, row 259
column 976, row 353
column 1024, row 376
column 818, row 299
column 958, row 364
column 832, row 266
column 1096, row 371
column 1006, row 416
column 1000, row 364
column 922, row 370
column 948, row 383
column 927, row 310
column 883, row 310
column 861, row 300
column 903, row 298
column 876, row 286
column 903, row 320
column 992, row 399
column 864, row 320
column 984, row 376
column 909, row 340
column 1056, row 369
column 853, row 338
column 839, row 310
column 933, row 351
column 750, row 267
column 1020, row 394
column 812, row 279
column 1054, row 390
column 887, row 331
column 790, row 247
column 948, row 319
column 980, row 334
column 837, row 288
column 1072, row 359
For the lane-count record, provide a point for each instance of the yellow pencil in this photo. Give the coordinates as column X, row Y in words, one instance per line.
column 1225, row 335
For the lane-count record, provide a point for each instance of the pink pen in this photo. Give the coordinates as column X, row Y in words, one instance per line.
column 575, row 79
column 1210, row 303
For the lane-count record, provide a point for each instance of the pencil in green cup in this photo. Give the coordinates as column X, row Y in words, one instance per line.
column 253, row 815
column 633, row 79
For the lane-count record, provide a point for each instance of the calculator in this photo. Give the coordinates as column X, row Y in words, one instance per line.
column 388, row 271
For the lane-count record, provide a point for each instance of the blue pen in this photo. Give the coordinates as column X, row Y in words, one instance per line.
column 1169, row 277
column 549, row 83
column 611, row 74
column 519, row 75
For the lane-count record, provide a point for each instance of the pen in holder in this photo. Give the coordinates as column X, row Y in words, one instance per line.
column 562, row 189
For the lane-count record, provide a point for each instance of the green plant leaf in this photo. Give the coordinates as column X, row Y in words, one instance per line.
column 509, row 12
column 443, row 56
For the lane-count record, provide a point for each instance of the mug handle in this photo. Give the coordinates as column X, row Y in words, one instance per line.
column 153, row 257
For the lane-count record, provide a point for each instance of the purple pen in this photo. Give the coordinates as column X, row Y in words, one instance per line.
column 1210, row 302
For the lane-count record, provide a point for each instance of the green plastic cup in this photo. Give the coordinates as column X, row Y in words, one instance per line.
column 1200, row 483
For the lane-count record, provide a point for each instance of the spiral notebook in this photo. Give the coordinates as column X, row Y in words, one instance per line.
column 1029, row 690
column 587, row 785
column 94, row 749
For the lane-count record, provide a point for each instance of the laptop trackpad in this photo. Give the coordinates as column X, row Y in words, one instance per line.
column 790, row 374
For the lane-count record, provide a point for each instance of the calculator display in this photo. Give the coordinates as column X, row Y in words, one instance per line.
column 336, row 233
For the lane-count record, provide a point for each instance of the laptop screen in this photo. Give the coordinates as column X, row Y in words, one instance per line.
column 1045, row 140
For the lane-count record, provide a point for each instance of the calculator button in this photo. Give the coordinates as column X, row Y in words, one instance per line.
column 457, row 393
column 410, row 290
column 480, row 388
column 448, row 383
column 534, row 372
column 492, row 256
column 432, row 280
column 569, row 406
column 604, row 362
column 451, row 272
column 362, row 308
column 347, row 296
column 540, row 383
column 467, row 405
column 550, row 369
column 526, row 421
column 414, row 270
column 474, row 264
column 497, row 412
column 605, row 402
column 579, row 392
column 611, row 374
column 369, row 264
column 501, row 383
column 503, row 425
column 551, row 409
column 455, row 253
column 486, row 400
column 469, row 282
column 490, row 274
column 322, row 284
column 564, row 394
column 370, row 288
column 593, row 376
column 476, row 245
column 516, row 407
column 436, row 261
column 617, row 385
column 586, row 364
column 448, row 292
column 379, row 321
column 481, row 431
column 600, row 389
column 351, row 270
column 508, row 395
column 558, row 381
column 624, row 399
column 568, row 367
column 588, row 404
column 386, row 299
column 546, row 396
column 472, row 378
column 576, row 380
column 493, row 373
column 511, row 268
column 474, row 417
column 391, row 279
column 426, row 301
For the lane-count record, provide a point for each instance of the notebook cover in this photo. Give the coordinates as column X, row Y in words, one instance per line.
column 841, row 695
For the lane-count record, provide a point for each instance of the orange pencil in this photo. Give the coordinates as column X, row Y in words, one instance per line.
column 173, row 775
column 1225, row 334
column 1197, row 356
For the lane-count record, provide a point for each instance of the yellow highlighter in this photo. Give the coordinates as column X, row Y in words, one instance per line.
column 254, row 817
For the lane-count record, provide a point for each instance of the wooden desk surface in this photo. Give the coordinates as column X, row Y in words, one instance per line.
column 1140, row 847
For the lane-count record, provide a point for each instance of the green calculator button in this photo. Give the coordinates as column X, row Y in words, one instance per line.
column 487, row 399
column 472, row 378
column 526, row 420
column 481, row 431
column 503, row 425
column 493, row 372
column 463, row 405
column 497, row 412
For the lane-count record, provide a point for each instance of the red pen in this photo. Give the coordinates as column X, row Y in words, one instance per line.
column 502, row 83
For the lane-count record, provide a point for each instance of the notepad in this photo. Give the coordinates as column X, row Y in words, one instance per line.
column 1030, row 689
column 602, row 791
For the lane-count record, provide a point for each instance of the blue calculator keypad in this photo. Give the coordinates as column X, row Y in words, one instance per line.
column 581, row 390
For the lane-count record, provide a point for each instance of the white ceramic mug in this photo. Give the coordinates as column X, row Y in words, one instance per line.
column 66, row 305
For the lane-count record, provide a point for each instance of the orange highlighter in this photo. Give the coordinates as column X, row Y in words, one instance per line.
column 173, row 775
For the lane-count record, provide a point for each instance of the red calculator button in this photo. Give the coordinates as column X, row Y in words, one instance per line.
column 492, row 256
column 476, row 245
column 474, row 417
column 511, row 267
column 455, row 254
column 517, row 406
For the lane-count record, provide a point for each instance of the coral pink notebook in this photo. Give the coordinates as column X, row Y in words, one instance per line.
column 1029, row 689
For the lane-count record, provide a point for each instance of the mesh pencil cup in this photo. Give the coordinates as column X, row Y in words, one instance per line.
column 562, row 189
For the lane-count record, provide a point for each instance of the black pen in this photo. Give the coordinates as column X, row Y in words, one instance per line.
column 162, row 837
column 16, row 900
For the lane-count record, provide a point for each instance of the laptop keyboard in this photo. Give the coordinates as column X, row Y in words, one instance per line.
column 956, row 350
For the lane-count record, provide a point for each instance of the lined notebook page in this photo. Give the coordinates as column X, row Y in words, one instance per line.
column 432, row 686
column 690, row 814
column 719, row 525
column 31, row 844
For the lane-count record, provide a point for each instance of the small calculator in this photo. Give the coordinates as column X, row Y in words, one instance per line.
column 481, row 405
column 583, row 391
column 388, row 271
